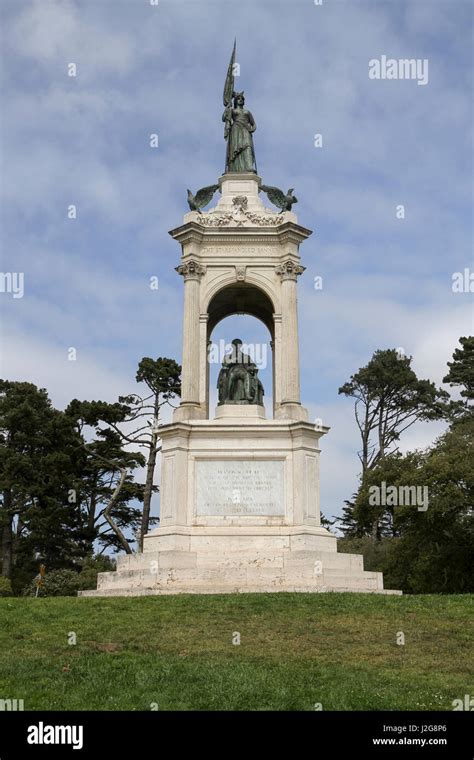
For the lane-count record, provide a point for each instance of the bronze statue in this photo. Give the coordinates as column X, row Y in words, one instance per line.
column 222, row 384
column 239, row 127
column 238, row 381
column 256, row 387
column 278, row 197
column 202, row 197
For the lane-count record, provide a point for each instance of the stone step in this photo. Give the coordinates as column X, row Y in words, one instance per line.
column 327, row 559
column 248, row 589
column 242, row 576
column 154, row 561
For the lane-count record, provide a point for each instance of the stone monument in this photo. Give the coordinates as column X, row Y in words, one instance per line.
column 239, row 493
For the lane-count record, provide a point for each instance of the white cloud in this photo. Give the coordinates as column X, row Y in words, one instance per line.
column 59, row 31
column 47, row 366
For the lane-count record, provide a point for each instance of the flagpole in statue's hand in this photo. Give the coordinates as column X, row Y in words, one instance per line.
column 228, row 96
column 229, row 80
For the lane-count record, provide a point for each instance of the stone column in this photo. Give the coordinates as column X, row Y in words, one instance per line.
column 290, row 364
column 204, row 343
column 276, row 363
column 190, row 407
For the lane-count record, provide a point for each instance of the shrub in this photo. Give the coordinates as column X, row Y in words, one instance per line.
column 56, row 583
column 5, row 586
column 20, row 578
column 375, row 552
column 67, row 582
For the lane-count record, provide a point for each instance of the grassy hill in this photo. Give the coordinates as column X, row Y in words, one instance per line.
column 296, row 650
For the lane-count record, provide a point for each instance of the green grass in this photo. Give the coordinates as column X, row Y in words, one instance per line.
column 296, row 650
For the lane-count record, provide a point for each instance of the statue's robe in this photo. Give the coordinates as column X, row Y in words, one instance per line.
column 238, row 383
column 240, row 151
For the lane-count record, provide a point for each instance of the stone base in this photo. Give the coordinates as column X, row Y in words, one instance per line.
column 240, row 412
column 225, row 561
column 185, row 412
column 239, row 513
column 291, row 411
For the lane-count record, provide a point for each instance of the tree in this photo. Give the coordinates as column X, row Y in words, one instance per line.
column 461, row 369
column 142, row 413
column 163, row 379
column 348, row 523
column 427, row 550
column 434, row 551
column 40, row 454
column 461, row 373
column 106, row 487
column 394, row 470
column 389, row 398
column 326, row 522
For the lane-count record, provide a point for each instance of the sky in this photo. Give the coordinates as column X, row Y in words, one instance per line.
column 146, row 68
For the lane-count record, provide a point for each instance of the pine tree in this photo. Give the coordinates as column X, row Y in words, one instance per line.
column 347, row 522
column 142, row 413
column 40, row 453
column 105, row 486
column 461, row 374
column 389, row 398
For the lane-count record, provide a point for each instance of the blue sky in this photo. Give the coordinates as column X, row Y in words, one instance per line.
column 144, row 69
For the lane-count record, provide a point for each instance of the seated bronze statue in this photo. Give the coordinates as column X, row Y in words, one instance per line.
column 238, row 381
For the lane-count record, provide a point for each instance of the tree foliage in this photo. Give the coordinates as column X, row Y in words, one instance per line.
column 389, row 398
column 135, row 420
column 40, row 457
column 461, row 376
column 426, row 551
column 425, row 548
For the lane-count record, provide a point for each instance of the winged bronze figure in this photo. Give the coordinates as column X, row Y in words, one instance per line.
column 202, row 197
column 278, row 197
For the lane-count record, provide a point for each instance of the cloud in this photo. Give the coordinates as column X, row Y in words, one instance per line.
column 60, row 32
column 47, row 365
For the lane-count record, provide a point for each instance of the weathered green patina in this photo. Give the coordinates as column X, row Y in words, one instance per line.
column 238, row 381
column 239, row 127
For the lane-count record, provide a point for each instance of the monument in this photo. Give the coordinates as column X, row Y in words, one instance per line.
column 239, row 493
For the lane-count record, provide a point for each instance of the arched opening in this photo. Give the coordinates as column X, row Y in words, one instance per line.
column 241, row 298
column 246, row 312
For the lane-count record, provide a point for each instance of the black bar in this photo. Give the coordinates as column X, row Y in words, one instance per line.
column 324, row 734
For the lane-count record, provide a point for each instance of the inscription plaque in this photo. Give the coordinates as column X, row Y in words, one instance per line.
column 239, row 487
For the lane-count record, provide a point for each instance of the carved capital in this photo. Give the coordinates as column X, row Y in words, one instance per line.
column 191, row 270
column 289, row 270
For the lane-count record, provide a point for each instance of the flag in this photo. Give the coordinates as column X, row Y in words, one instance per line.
column 229, row 80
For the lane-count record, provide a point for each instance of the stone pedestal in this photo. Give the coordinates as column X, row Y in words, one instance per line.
column 240, row 412
column 240, row 513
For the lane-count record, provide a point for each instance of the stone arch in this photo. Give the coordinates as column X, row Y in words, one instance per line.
column 237, row 297
column 240, row 298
